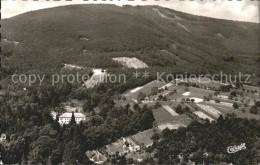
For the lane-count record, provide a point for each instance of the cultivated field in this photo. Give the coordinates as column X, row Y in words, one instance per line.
column 238, row 112
column 209, row 109
column 199, row 92
column 170, row 110
column 203, row 115
column 251, row 87
column 116, row 147
column 162, row 116
column 143, row 137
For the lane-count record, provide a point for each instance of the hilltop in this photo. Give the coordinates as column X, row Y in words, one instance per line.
column 91, row 35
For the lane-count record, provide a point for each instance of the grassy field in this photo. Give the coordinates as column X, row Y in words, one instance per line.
column 251, row 87
column 143, row 137
column 116, row 147
column 238, row 112
column 210, row 110
column 162, row 116
column 199, row 92
column 170, row 110
column 202, row 115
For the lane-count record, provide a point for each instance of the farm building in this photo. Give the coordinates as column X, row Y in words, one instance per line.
column 169, row 126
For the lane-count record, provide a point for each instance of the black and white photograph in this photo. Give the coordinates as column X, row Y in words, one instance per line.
column 129, row 82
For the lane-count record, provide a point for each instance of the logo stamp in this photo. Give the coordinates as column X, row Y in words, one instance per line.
column 235, row 148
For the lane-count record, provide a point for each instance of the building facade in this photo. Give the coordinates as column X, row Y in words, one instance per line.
column 65, row 118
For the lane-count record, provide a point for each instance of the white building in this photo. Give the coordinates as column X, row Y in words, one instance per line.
column 66, row 117
column 3, row 137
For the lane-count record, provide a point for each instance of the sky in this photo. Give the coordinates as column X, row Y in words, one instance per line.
column 244, row 10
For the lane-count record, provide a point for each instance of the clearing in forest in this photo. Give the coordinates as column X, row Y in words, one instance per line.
column 131, row 62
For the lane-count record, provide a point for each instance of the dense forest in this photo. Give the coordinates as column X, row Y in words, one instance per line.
column 207, row 143
column 34, row 137
column 161, row 43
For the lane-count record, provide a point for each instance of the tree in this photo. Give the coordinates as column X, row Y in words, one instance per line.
column 230, row 97
column 233, row 94
column 154, row 90
column 253, row 109
column 179, row 109
column 73, row 120
column 257, row 104
column 186, row 109
column 157, row 105
column 166, row 88
column 156, row 136
column 87, row 106
column 216, row 93
column 147, row 119
column 210, row 96
column 13, row 152
column 225, row 88
column 164, row 98
column 231, row 115
column 235, row 105
column 42, row 149
column 160, row 97
column 140, row 97
column 182, row 101
column 238, row 85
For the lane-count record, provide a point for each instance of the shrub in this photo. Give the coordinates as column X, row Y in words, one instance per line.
column 157, row 105
column 253, row 110
column 235, row 105
column 179, row 109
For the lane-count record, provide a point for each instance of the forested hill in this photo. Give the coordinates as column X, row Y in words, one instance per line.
column 158, row 36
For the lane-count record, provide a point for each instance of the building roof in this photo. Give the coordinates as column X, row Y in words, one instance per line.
column 69, row 115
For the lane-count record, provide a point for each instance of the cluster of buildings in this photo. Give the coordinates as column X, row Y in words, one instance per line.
column 122, row 146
